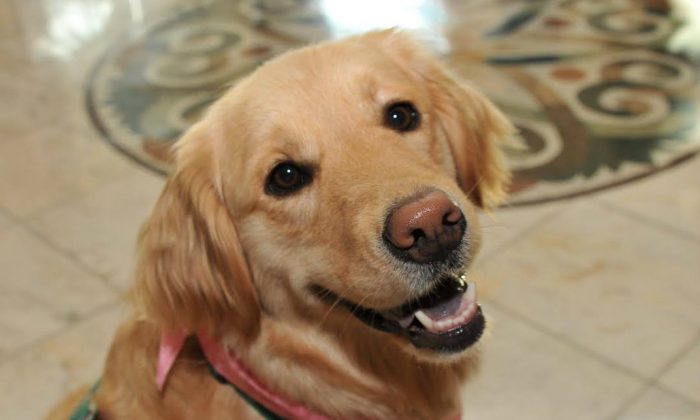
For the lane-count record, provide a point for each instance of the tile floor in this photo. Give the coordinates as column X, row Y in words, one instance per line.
column 593, row 302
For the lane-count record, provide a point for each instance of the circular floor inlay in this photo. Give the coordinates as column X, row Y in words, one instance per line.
column 597, row 98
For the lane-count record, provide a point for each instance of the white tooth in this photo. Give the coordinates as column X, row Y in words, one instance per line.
column 425, row 320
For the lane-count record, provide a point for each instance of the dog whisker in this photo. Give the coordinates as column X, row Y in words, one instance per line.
column 338, row 299
column 357, row 306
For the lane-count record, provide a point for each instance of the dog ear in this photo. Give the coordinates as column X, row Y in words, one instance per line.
column 192, row 272
column 473, row 127
column 475, row 130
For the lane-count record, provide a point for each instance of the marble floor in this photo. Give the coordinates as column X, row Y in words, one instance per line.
column 593, row 299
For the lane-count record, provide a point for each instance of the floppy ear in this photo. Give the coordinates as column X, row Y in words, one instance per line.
column 192, row 272
column 473, row 127
column 475, row 130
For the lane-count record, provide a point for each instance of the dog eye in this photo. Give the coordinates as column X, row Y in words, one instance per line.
column 287, row 178
column 402, row 116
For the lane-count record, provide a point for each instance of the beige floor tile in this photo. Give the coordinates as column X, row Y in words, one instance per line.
column 684, row 376
column 101, row 228
column 623, row 289
column 31, row 383
column 42, row 93
column 54, row 164
column 671, row 198
column 41, row 290
column 656, row 404
column 526, row 374
column 8, row 19
column 505, row 224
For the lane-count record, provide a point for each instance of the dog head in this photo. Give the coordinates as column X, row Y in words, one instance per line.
column 341, row 178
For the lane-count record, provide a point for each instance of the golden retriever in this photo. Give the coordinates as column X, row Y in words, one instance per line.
column 318, row 226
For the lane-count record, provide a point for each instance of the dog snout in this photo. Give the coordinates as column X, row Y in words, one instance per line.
column 426, row 228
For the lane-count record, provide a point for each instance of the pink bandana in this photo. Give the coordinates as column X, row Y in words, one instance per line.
column 170, row 346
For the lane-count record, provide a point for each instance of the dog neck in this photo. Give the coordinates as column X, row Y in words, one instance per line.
column 350, row 375
column 230, row 370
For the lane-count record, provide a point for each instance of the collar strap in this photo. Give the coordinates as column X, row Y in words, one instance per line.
column 262, row 410
column 229, row 367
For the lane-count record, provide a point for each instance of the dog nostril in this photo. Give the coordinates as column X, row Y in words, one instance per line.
column 452, row 217
column 417, row 234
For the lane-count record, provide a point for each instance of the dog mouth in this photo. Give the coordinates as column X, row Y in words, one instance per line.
column 446, row 319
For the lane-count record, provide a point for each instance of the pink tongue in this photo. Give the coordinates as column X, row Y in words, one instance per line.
column 443, row 309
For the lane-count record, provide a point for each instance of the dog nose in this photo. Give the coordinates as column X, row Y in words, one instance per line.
column 427, row 228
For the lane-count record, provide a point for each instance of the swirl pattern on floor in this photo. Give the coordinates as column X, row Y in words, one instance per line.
column 597, row 97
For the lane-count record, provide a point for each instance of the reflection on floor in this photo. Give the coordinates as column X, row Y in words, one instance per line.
column 593, row 299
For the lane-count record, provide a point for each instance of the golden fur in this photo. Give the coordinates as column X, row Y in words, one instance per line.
column 221, row 255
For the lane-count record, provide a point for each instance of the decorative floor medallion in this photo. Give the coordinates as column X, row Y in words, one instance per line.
column 597, row 98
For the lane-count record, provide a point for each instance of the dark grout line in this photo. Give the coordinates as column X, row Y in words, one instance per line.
column 650, row 221
column 71, row 256
column 80, row 321
column 629, row 402
column 647, row 382
column 67, row 199
column 26, row 225
column 562, row 338
column 656, row 379
column 673, row 393
column 679, row 355
column 539, row 222
column 10, row 215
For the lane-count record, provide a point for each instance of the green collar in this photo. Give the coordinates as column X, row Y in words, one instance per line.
column 87, row 410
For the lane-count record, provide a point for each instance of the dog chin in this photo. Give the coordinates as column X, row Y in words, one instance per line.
column 470, row 354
